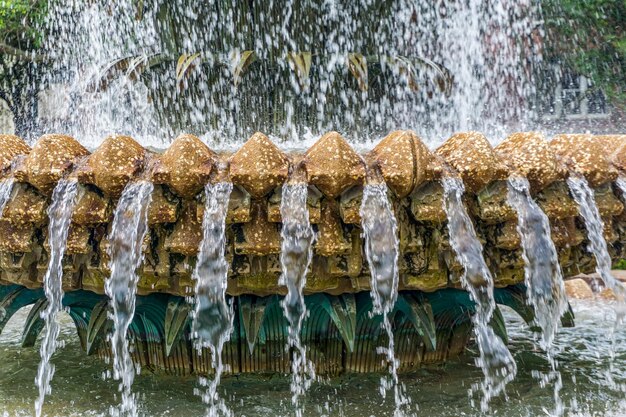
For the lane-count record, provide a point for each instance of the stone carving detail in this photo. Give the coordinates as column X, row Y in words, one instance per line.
column 10, row 147
column 333, row 166
column 473, row 158
column 185, row 166
column 51, row 157
column 259, row 166
column 403, row 160
column 584, row 156
column 113, row 165
column 530, row 155
column 336, row 174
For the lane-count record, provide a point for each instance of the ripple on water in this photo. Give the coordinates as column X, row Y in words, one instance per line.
column 441, row 391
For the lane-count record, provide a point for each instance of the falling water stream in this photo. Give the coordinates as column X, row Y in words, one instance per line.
column 60, row 214
column 128, row 230
column 585, row 198
column 6, row 188
column 295, row 257
column 213, row 316
column 380, row 231
column 495, row 360
column 543, row 276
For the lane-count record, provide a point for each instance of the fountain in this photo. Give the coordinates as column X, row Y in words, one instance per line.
column 372, row 269
column 584, row 197
column 281, row 255
column 543, row 277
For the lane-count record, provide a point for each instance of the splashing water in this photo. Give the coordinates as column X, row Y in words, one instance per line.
column 130, row 225
column 60, row 214
column 585, row 198
column 6, row 188
column 380, row 231
column 495, row 360
column 98, row 55
column 295, row 257
column 312, row 66
column 213, row 317
column 544, row 280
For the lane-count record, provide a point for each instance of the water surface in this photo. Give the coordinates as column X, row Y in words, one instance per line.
column 81, row 390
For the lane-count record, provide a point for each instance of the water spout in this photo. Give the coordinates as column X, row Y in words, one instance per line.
column 380, row 231
column 295, row 257
column 6, row 188
column 585, row 198
column 543, row 277
column 495, row 360
column 60, row 214
column 213, row 316
column 128, row 230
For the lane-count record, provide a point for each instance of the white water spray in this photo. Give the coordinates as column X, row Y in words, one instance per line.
column 6, row 188
column 585, row 198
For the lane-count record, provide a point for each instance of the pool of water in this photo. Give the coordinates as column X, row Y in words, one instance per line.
column 82, row 385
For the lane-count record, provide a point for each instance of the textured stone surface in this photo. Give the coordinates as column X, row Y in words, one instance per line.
column 185, row 166
column 113, row 164
column 259, row 166
column 10, row 147
column 163, row 207
column 330, row 237
column 614, row 147
column 260, row 237
column 585, row 156
column 578, row 289
column 529, row 154
column 402, row 159
column 16, row 238
column 427, row 203
column 187, row 234
column 91, row 208
column 333, row 166
column 26, row 206
column 493, row 206
column 253, row 242
column 49, row 160
column 471, row 155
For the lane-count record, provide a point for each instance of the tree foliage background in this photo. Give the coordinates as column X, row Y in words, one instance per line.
column 589, row 36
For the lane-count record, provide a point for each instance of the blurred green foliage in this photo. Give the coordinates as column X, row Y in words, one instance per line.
column 621, row 264
column 21, row 22
column 590, row 37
